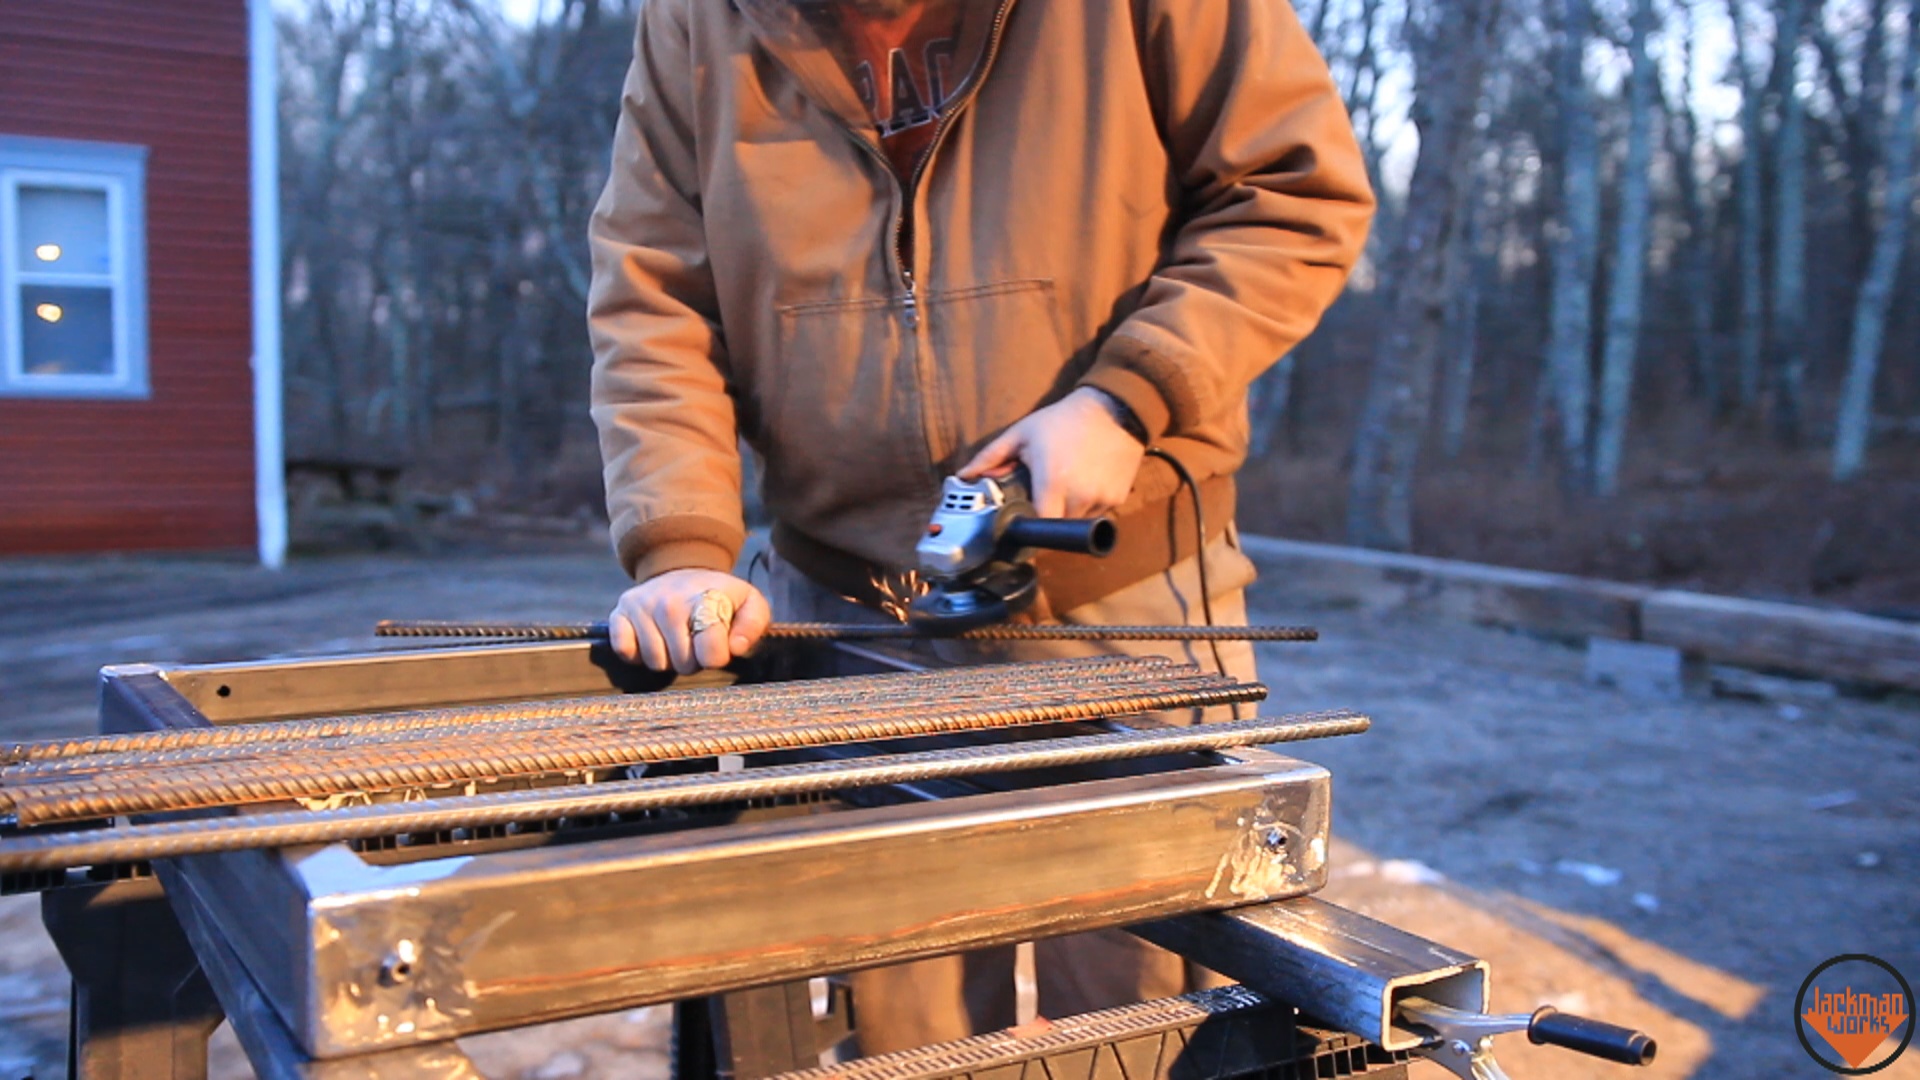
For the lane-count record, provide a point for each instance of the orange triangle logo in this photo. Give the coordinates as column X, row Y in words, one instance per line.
column 1856, row 1024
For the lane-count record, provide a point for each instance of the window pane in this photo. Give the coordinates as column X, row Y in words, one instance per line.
column 64, row 229
column 66, row 330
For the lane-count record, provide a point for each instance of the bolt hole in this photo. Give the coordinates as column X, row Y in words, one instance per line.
column 225, row 691
column 401, row 971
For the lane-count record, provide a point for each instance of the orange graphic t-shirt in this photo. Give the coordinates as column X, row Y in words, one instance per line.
column 902, row 68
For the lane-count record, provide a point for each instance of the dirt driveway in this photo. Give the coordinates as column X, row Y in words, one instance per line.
column 1679, row 865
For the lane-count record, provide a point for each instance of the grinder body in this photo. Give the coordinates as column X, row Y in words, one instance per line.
column 977, row 553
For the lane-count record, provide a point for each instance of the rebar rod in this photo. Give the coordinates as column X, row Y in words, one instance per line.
column 861, row 632
column 961, row 700
column 29, row 853
column 740, row 706
column 799, row 694
column 216, row 785
column 456, row 741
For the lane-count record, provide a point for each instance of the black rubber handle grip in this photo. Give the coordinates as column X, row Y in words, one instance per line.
column 1609, row 1042
column 1081, row 536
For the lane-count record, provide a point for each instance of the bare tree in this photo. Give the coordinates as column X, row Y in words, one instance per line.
column 1629, row 260
column 1877, row 290
column 1451, row 57
column 1460, row 337
column 1269, row 403
column 1750, row 331
column 1790, row 222
column 1576, row 252
column 1317, row 26
column 1363, row 100
column 1696, row 209
column 1860, row 110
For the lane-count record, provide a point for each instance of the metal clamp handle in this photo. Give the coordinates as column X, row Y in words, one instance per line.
column 1549, row 1026
column 1462, row 1041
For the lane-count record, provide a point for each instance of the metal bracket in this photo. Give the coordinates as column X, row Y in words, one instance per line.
column 1461, row 1041
column 836, row 1025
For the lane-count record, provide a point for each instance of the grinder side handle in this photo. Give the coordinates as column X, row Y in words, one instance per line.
column 1080, row 536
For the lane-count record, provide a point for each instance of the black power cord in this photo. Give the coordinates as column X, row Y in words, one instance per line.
column 1199, row 549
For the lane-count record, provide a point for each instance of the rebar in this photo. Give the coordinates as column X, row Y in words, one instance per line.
column 735, row 698
column 223, row 785
column 24, row 854
column 568, row 737
column 862, row 632
column 455, row 729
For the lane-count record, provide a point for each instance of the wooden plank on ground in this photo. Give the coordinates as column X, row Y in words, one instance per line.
column 1831, row 644
column 1558, row 604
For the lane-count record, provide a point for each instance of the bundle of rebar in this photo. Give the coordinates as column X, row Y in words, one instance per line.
column 309, row 760
column 41, row 852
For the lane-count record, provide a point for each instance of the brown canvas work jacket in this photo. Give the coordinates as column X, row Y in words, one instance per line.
column 1157, row 198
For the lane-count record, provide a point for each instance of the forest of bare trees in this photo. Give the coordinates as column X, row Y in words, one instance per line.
column 438, row 165
column 1772, row 232
column 1604, row 220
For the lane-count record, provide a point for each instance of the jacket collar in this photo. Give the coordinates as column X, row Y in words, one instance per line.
column 798, row 35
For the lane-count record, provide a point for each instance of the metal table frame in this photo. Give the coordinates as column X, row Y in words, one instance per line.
column 1239, row 830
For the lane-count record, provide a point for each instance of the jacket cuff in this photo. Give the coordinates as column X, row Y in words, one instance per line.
column 1135, row 391
column 680, row 542
column 1144, row 380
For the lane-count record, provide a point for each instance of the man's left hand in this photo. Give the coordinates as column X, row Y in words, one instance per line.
column 1082, row 460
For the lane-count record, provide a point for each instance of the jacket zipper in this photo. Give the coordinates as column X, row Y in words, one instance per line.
column 911, row 191
column 910, row 306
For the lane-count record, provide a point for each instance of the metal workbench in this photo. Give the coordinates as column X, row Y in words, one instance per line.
column 370, row 959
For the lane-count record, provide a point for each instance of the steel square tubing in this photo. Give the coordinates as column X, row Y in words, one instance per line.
column 356, row 957
column 271, row 1048
column 408, row 679
column 1345, row 969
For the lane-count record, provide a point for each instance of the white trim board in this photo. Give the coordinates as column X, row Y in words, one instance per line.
column 269, row 454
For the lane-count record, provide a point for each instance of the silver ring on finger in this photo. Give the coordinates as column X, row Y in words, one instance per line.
column 714, row 608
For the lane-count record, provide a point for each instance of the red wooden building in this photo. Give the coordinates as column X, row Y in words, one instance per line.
column 139, row 364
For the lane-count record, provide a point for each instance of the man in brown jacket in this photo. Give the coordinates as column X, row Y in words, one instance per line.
column 886, row 241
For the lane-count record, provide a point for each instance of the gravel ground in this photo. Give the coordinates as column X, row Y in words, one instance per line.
column 1677, row 865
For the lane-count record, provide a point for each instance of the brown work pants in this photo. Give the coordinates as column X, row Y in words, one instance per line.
column 952, row 997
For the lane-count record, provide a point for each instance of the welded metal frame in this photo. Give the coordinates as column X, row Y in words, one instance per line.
column 1352, row 971
column 352, row 957
column 358, row 957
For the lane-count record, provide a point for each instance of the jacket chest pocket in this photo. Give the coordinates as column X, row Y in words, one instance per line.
column 836, row 411
column 996, row 353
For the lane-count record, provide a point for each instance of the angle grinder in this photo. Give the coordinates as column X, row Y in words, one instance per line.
column 977, row 554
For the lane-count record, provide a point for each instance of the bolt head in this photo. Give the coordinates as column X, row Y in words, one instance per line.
column 397, row 968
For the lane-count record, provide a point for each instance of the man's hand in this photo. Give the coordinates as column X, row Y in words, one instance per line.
column 1082, row 460
column 652, row 622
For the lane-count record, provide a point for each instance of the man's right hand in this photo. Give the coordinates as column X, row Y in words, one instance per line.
column 650, row 624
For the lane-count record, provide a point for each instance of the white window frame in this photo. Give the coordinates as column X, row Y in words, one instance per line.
column 120, row 172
